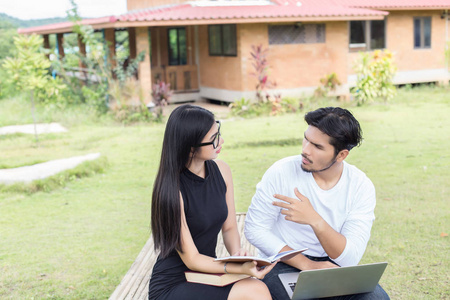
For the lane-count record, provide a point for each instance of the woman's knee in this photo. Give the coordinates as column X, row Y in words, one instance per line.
column 250, row 289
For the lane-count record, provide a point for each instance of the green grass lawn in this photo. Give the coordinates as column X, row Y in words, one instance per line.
column 76, row 241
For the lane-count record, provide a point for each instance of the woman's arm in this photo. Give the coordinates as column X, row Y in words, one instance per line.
column 230, row 231
column 202, row 263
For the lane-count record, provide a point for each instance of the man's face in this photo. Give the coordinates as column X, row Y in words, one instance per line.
column 318, row 154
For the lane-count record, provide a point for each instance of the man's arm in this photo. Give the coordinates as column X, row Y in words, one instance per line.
column 358, row 225
column 302, row 212
column 347, row 247
column 262, row 215
column 303, row 263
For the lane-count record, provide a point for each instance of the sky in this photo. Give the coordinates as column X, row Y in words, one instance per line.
column 41, row 9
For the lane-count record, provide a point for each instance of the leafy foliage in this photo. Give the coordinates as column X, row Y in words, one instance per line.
column 375, row 72
column 246, row 108
column 29, row 69
column 106, row 82
column 7, row 49
column 161, row 93
column 329, row 83
column 261, row 72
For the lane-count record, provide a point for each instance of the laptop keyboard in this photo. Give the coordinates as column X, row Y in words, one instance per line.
column 292, row 285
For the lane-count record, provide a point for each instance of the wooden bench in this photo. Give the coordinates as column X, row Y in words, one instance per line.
column 134, row 284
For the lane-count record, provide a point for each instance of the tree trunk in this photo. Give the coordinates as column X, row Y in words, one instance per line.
column 34, row 118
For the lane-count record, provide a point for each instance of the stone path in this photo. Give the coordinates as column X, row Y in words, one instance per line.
column 43, row 170
column 29, row 128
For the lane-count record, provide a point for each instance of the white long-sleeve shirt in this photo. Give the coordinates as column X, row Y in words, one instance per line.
column 348, row 208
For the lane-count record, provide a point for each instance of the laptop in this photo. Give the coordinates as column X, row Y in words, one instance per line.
column 332, row 282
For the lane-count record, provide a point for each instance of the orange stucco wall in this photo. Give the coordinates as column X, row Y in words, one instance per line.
column 302, row 65
column 222, row 72
column 290, row 66
column 400, row 40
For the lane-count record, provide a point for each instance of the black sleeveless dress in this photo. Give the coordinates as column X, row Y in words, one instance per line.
column 206, row 210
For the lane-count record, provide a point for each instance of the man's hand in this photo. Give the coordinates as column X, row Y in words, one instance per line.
column 297, row 210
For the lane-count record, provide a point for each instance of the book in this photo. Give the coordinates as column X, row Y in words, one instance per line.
column 216, row 279
column 285, row 255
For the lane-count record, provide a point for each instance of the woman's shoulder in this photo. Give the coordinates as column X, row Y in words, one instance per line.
column 224, row 169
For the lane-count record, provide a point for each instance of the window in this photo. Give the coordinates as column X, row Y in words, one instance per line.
column 367, row 35
column 177, row 46
column 296, row 34
column 422, row 32
column 222, row 40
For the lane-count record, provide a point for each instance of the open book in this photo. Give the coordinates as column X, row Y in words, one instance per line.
column 262, row 261
column 217, row 279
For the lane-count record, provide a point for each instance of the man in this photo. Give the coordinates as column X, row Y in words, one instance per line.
column 315, row 200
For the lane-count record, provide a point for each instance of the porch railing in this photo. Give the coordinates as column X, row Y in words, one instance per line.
column 181, row 78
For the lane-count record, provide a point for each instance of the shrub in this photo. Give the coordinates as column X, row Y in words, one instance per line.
column 375, row 72
column 161, row 93
column 329, row 83
column 261, row 72
column 274, row 106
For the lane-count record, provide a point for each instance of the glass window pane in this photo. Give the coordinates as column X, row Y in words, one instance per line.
column 377, row 38
column 357, row 32
column 229, row 39
column 320, row 33
column 215, row 40
column 417, row 33
column 182, row 46
column 173, row 46
column 427, row 32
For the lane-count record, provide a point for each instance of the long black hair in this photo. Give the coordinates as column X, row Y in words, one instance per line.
column 186, row 127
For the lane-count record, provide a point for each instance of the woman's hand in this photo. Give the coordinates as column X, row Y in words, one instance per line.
column 241, row 252
column 253, row 270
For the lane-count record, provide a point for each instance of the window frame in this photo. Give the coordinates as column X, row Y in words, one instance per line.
column 422, row 32
column 297, row 27
column 222, row 40
column 366, row 46
column 178, row 46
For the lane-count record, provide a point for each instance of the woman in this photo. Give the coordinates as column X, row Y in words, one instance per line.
column 192, row 201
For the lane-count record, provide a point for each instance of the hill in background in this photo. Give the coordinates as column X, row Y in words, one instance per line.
column 15, row 22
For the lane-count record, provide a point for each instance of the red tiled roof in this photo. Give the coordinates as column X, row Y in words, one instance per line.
column 288, row 9
column 279, row 10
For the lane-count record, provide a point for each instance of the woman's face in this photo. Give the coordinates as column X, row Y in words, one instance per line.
column 212, row 139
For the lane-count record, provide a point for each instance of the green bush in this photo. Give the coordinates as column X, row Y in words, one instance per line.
column 375, row 72
column 273, row 106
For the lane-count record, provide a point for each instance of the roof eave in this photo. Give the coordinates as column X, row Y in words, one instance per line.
column 407, row 8
column 186, row 22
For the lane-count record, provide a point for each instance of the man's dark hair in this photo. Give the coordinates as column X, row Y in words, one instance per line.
column 339, row 124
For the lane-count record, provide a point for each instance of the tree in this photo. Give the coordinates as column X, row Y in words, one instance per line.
column 29, row 71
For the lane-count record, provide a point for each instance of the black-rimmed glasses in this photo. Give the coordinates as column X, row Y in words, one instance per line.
column 216, row 140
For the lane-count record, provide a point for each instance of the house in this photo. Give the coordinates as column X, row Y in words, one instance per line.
column 202, row 48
